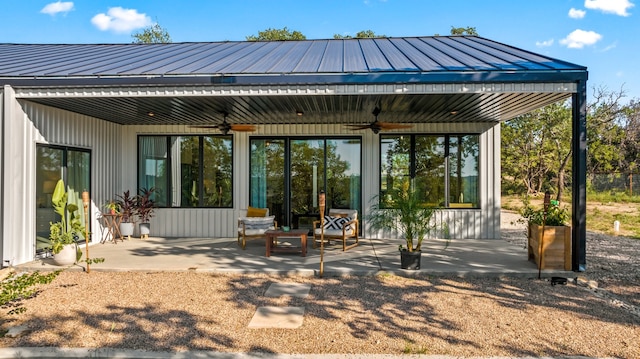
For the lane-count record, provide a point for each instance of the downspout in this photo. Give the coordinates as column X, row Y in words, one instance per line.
column 579, row 190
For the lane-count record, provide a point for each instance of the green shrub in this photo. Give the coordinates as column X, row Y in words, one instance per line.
column 555, row 215
column 15, row 288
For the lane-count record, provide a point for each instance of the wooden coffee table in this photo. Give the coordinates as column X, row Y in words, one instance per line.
column 272, row 239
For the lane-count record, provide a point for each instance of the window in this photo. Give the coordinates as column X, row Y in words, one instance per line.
column 187, row 171
column 73, row 166
column 444, row 167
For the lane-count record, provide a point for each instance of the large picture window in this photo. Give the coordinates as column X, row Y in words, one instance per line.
column 444, row 168
column 187, row 171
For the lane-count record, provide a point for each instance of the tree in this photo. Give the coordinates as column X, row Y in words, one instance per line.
column 364, row 34
column 471, row 31
column 277, row 34
column 154, row 34
column 606, row 120
column 463, row 31
column 537, row 148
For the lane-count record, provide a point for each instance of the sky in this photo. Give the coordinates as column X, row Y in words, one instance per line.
column 603, row 35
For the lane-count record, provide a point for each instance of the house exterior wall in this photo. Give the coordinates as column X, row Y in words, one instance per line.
column 2, row 169
column 27, row 124
column 114, row 170
column 203, row 222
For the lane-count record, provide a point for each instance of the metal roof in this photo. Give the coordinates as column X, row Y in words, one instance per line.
column 252, row 70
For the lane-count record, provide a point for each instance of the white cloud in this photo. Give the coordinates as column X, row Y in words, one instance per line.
column 57, row 7
column 580, row 38
column 118, row 19
column 576, row 13
column 618, row 7
column 545, row 43
column 612, row 46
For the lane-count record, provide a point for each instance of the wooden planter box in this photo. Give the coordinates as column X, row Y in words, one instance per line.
column 556, row 246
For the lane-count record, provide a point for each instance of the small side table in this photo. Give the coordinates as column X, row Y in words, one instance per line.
column 272, row 239
column 112, row 223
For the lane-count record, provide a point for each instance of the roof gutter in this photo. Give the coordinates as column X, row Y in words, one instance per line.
column 373, row 78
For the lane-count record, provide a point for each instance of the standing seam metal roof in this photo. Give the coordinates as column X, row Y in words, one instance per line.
column 436, row 54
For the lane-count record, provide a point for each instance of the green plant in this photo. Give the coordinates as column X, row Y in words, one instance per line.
column 69, row 228
column 15, row 288
column 145, row 204
column 554, row 216
column 127, row 204
column 403, row 211
column 112, row 206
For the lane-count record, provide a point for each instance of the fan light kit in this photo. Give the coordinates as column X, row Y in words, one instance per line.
column 377, row 126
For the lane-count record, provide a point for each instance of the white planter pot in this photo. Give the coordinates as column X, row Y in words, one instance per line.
column 145, row 229
column 126, row 229
column 67, row 255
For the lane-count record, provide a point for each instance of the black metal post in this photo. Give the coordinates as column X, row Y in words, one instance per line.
column 579, row 190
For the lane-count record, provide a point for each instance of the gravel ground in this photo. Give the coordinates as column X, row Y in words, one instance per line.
column 382, row 314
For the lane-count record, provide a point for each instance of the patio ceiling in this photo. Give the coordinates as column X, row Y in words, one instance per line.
column 342, row 109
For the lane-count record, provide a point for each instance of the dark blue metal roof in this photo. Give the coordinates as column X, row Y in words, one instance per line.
column 380, row 60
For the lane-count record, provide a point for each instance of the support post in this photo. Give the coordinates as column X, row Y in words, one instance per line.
column 579, row 183
column 85, row 203
column 321, row 206
column 547, row 201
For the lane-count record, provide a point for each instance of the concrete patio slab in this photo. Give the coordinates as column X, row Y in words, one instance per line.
column 277, row 317
column 459, row 257
column 298, row 290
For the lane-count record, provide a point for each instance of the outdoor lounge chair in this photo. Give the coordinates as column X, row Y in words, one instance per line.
column 253, row 224
column 340, row 224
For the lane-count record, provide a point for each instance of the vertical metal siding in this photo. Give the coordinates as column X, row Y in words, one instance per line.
column 30, row 124
column 3, row 117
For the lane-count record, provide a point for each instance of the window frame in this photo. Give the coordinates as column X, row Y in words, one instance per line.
column 171, row 163
column 447, row 158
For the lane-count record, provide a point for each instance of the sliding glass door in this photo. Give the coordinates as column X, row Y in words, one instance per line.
column 52, row 164
column 288, row 173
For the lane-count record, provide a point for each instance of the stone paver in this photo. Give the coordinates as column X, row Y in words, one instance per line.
column 277, row 317
column 298, row 290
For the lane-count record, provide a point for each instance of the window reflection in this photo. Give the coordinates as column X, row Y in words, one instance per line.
column 443, row 167
column 187, row 171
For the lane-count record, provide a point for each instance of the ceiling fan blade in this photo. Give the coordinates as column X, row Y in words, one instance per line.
column 243, row 128
column 392, row 126
column 359, row 127
column 203, row 126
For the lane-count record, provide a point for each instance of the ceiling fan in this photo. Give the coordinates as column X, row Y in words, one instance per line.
column 377, row 126
column 225, row 126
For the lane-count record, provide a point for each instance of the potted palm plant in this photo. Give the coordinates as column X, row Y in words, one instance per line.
column 127, row 204
column 64, row 233
column 144, row 208
column 402, row 211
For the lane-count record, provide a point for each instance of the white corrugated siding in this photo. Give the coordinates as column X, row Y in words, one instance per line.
column 177, row 222
column 3, row 116
column 28, row 124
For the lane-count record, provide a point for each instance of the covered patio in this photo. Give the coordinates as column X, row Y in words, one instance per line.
column 101, row 100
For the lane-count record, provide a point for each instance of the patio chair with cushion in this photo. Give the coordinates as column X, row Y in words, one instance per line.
column 253, row 224
column 340, row 224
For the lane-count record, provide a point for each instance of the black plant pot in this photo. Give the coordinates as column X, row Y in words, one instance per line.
column 410, row 260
